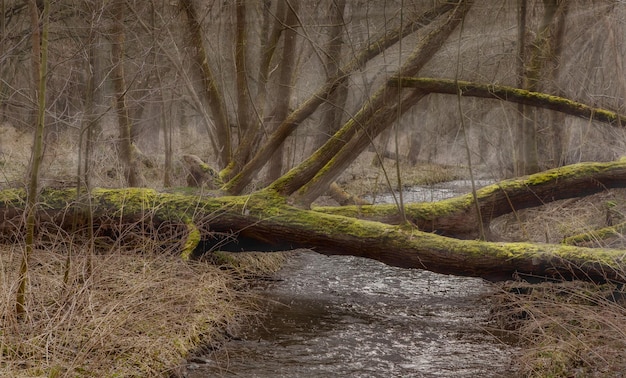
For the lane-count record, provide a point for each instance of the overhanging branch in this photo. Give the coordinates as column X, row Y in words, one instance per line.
column 511, row 94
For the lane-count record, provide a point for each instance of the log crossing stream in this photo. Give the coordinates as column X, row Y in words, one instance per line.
column 342, row 316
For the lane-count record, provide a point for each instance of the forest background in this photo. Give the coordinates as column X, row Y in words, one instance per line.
column 260, row 67
column 128, row 90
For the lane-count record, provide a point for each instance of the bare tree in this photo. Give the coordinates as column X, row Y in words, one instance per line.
column 127, row 150
column 212, row 95
column 39, row 23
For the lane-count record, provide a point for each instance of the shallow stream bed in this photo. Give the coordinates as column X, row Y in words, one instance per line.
column 350, row 317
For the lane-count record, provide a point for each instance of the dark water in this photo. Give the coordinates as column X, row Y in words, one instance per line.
column 349, row 317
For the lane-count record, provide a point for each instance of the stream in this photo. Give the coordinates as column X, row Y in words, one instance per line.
column 342, row 316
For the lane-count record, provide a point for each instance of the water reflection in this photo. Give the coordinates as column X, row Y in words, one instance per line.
column 352, row 317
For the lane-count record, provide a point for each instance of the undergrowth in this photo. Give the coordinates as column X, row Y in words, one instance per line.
column 119, row 314
column 565, row 329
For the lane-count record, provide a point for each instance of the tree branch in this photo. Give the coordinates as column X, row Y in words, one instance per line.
column 521, row 96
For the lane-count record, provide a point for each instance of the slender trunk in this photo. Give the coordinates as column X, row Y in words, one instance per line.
column 86, row 139
column 519, row 157
column 531, row 80
column 39, row 61
column 556, row 121
column 126, row 150
column 285, row 83
column 212, row 95
column 243, row 95
column 167, row 144
column 334, row 108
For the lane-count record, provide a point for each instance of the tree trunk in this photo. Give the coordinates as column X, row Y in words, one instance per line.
column 333, row 109
column 40, row 65
column 264, row 221
column 126, row 154
column 251, row 138
column 241, row 67
column 520, row 151
column 211, row 93
column 285, row 83
column 456, row 217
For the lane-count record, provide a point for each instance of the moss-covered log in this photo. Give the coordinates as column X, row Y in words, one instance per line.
column 593, row 236
column 457, row 216
column 264, row 221
column 520, row 96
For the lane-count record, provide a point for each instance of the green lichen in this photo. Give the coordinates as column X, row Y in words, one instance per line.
column 193, row 239
column 13, row 197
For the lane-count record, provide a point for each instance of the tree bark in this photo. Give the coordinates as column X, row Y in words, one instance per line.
column 333, row 109
column 126, row 154
column 241, row 67
column 252, row 137
column 40, row 65
column 285, row 81
column 520, row 151
column 212, row 95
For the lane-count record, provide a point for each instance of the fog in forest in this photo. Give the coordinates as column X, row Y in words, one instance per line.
column 576, row 52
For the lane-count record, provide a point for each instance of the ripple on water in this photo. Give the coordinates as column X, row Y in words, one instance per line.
column 353, row 317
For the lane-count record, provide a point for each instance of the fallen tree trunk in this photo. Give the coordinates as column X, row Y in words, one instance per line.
column 263, row 221
column 457, row 216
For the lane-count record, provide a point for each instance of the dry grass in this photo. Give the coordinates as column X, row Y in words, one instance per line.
column 135, row 315
column 555, row 221
column 566, row 329
column 139, row 312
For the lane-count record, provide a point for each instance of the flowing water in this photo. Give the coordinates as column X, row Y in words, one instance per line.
column 342, row 316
